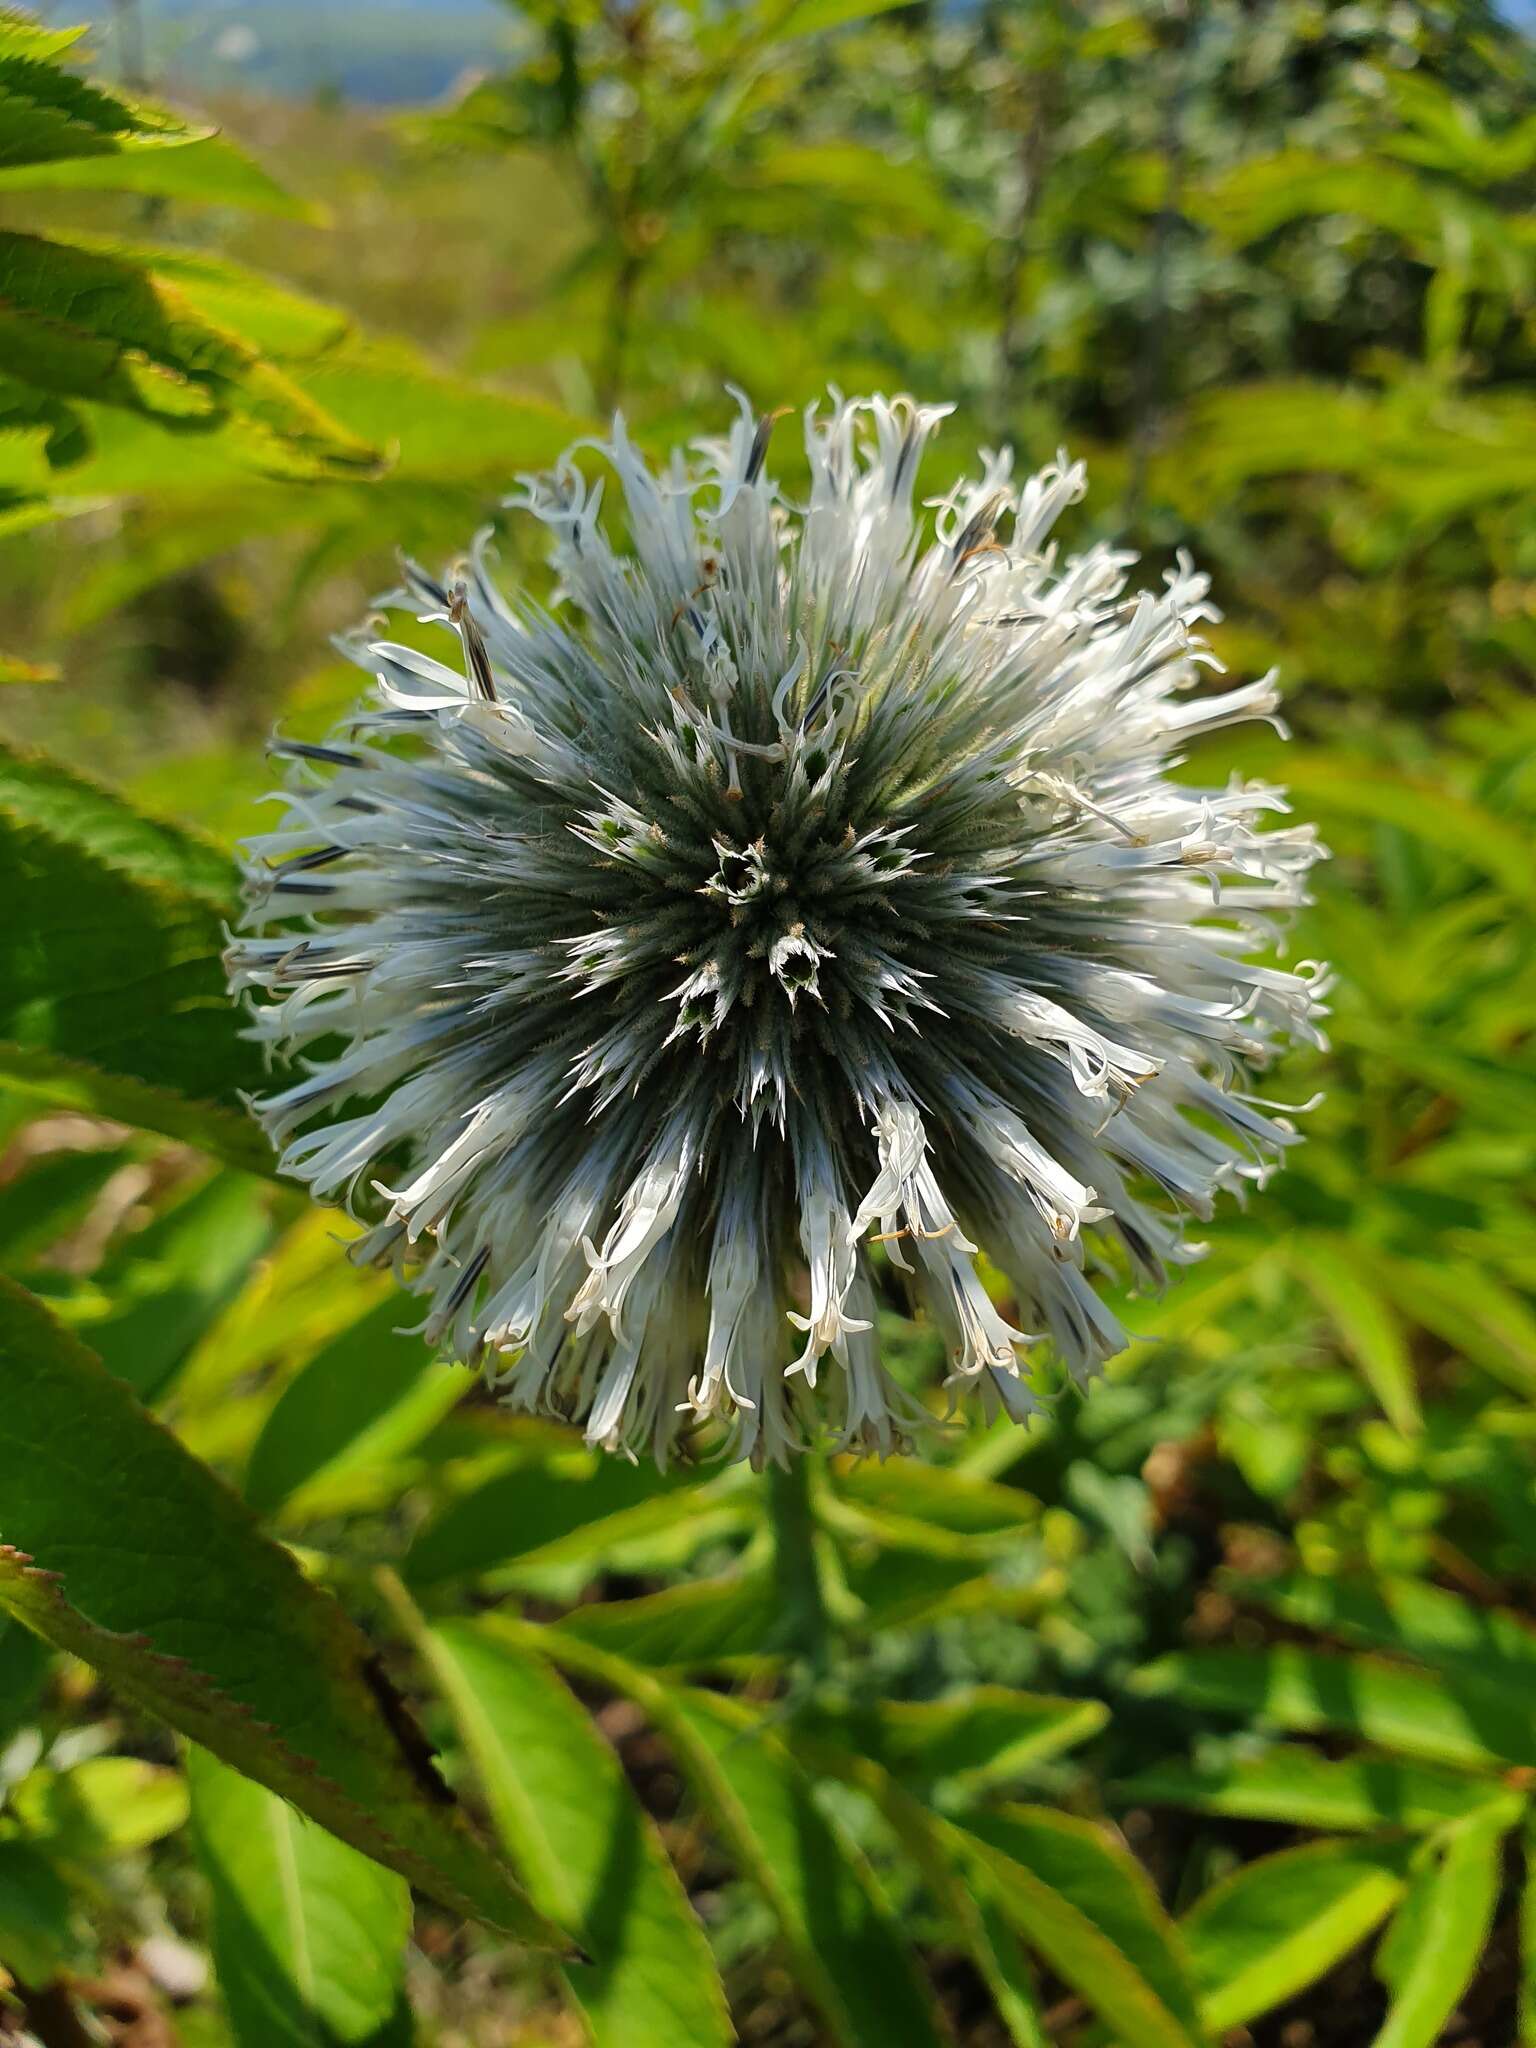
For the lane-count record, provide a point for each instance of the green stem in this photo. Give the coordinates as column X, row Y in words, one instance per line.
column 802, row 1618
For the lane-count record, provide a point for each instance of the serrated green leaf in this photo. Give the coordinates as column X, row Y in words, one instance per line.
column 22, row 36
column 50, row 116
column 112, row 996
column 308, row 1936
column 118, row 1546
column 283, row 323
column 1281, row 1922
column 82, row 324
column 1090, row 1910
column 39, row 790
column 198, row 168
column 590, row 1857
column 102, row 1807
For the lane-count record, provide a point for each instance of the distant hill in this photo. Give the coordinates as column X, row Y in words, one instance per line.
column 377, row 52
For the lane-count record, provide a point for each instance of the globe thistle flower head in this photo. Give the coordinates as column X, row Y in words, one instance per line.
column 798, row 903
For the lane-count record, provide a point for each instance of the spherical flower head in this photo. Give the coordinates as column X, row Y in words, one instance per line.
column 797, row 904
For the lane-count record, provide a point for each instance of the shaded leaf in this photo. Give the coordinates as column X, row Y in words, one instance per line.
column 81, row 323
column 700, row 1625
column 112, row 996
column 1486, row 1645
column 848, row 1951
column 169, row 1282
column 983, row 1734
column 1366, row 1322
column 308, row 1936
column 35, row 1933
column 367, row 1395
column 549, row 1511
column 23, row 1668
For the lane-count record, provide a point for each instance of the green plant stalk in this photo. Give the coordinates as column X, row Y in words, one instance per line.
column 803, row 1623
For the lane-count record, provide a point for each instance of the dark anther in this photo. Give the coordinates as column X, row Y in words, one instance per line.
column 301, row 750
column 292, row 888
column 759, row 449
column 467, row 1278
column 299, row 862
column 475, row 654
column 978, row 531
column 901, row 474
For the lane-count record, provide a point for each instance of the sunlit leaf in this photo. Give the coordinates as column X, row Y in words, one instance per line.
column 1439, row 1718
column 101, row 1807
column 1298, row 1787
column 1281, row 1922
column 1444, row 1926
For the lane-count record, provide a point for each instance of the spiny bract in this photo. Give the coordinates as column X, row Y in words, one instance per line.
column 807, row 879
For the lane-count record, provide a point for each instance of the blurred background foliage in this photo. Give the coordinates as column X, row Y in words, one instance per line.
column 1203, row 1712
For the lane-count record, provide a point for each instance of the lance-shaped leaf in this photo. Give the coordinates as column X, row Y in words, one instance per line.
column 846, row 1946
column 1433, row 1947
column 48, row 115
column 1277, row 1924
column 1441, row 1718
column 934, row 1847
column 118, row 1546
column 1296, row 1787
column 591, row 1857
column 1090, row 1910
